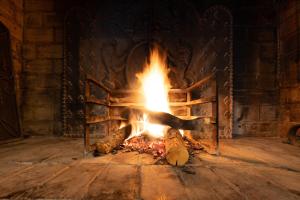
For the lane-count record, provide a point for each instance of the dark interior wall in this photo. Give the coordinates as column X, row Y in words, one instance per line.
column 289, row 31
column 255, row 68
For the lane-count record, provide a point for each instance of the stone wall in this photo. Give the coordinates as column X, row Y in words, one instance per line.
column 289, row 31
column 43, row 60
column 258, row 105
column 255, row 64
column 11, row 16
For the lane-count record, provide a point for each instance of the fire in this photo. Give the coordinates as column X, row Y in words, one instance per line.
column 155, row 86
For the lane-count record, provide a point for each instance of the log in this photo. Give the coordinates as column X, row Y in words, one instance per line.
column 167, row 119
column 108, row 143
column 176, row 151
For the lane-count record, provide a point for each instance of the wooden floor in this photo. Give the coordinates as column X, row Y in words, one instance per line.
column 54, row 168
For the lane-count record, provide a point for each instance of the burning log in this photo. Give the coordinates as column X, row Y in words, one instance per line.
column 112, row 141
column 176, row 151
column 167, row 119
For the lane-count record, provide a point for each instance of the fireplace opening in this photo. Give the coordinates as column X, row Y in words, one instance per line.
column 143, row 119
column 102, row 88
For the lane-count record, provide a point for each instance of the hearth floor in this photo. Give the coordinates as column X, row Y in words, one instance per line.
column 54, row 168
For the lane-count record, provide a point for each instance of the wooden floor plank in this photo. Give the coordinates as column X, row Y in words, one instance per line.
column 248, row 168
column 115, row 182
column 29, row 178
column 201, row 183
column 161, row 182
column 70, row 184
column 251, row 184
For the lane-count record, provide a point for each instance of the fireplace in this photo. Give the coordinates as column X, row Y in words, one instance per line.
column 105, row 50
column 149, row 99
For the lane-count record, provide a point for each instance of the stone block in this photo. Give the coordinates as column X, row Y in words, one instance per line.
column 288, row 26
column 241, row 99
column 41, row 81
column 29, row 51
column 19, row 17
column 284, row 94
column 38, row 5
column 295, row 115
column 41, row 66
column 268, row 113
column 287, row 11
column 37, row 113
column 253, row 128
column 257, row 129
column 38, row 127
column 38, row 98
column 265, row 127
column 268, row 52
column 246, row 82
column 50, row 51
column 288, row 44
column 17, row 66
column 39, row 35
column 18, row 3
column 44, row 66
column 271, row 133
column 33, row 20
column 294, row 95
column 57, row 65
column 268, row 96
column 53, row 20
column 266, row 81
column 58, row 35
column 267, row 35
column 8, row 9
column 250, row 113
column 16, row 48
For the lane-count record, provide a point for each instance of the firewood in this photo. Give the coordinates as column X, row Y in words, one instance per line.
column 167, row 119
column 176, row 151
column 107, row 144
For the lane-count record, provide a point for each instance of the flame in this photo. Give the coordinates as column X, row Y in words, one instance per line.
column 155, row 86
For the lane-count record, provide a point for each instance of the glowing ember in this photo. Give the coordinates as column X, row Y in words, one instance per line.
column 154, row 86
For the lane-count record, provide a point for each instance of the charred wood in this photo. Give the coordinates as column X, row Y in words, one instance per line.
column 167, row 119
